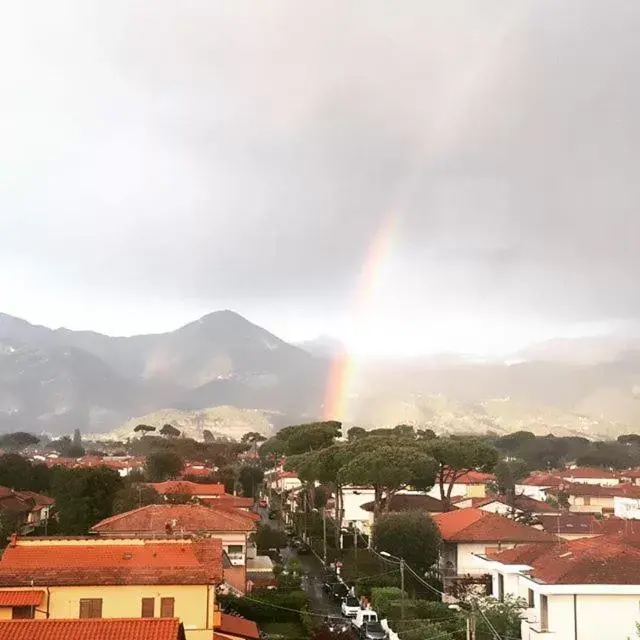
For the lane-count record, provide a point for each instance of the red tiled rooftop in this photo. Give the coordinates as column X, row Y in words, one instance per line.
column 598, row 491
column 470, row 477
column 543, row 480
column 410, row 502
column 237, row 626
column 96, row 563
column 525, row 503
column 154, row 518
column 185, row 487
column 93, row 629
column 476, row 525
column 27, row 598
column 590, row 473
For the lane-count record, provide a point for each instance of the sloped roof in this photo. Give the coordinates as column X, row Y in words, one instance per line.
column 589, row 473
column 185, row 487
column 525, row 503
column 543, row 480
column 154, row 518
column 624, row 490
column 476, row 525
column 237, row 626
column 600, row 560
column 410, row 502
column 93, row 629
column 470, row 477
column 26, row 598
column 94, row 563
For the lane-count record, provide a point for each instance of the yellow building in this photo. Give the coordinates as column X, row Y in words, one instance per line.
column 60, row 578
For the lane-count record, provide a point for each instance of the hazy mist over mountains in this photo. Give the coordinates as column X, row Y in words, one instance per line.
column 57, row 380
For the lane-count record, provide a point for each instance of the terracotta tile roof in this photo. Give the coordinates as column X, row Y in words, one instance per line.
column 410, row 502
column 227, row 500
column 522, row 554
column 589, row 473
column 476, row 525
column 93, row 629
column 525, row 503
column 600, row 560
column 29, row 598
column 154, row 518
column 471, row 477
column 185, row 487
column 237, row 626
column 543, row 480
column 97, row 563
column 598, row 491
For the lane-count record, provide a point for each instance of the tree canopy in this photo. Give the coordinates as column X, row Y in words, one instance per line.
column 163, row 465
column 18, row 440
column 170, row 431
column 412, row 535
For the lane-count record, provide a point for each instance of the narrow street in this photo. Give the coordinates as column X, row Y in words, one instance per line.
column 313, row 571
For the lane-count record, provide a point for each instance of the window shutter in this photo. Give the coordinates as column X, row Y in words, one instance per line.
column 91, row 607
column 148, row 607
column 166, row 607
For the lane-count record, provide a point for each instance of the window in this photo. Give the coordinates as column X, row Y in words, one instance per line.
column 531, row 599
column 544, row 613
column 91, row 607
column 148, row 607
column 500, row 587
column 587, row 500
column 166, row 607
column 235, row 548
column 20, row 613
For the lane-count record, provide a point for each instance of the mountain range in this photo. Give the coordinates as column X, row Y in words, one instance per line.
column 56, row 380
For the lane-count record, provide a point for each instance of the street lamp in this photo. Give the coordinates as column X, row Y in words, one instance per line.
column 386, row 554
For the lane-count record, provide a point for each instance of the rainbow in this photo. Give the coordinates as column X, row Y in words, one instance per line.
column 343, row 367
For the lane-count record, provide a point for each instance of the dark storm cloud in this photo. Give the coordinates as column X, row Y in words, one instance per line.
column 229, row 151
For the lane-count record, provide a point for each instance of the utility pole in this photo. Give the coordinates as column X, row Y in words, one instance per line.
column 471, row 625
column 402, row 589
column 324, row 536
column 355, row 546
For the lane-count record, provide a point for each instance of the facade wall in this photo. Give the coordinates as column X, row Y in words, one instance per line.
column 537, row 493
column 467, row 560
column 352, row 500
column 627, row 508
column 193, row 604
column 603, row 482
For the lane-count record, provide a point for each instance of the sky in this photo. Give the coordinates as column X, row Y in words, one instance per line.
column 422, row 177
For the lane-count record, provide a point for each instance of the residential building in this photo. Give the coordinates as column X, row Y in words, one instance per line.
column 572, row 526
column 585, row 589
column 537, row 485
column 472, row 484
column 96, row 578
column 231, row 526
column 188, row 488
column 518, row 506
column 590, row 498
column 228, row 627
column 283, row 481
column 29, row 509
column 466, row 533
column 591, row 475
column 403, row 502
column 627, row 508
column 93, row 629
column 353, row 512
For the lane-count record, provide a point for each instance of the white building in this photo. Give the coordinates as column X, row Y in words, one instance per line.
column 591, row 475
column 627, row 508
column 537, row 485
column 584, row 589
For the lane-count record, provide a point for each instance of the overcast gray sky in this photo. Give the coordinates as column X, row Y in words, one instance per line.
column 162, row 160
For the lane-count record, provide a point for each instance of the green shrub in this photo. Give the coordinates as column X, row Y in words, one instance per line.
column 268, row 607
column 383, row 597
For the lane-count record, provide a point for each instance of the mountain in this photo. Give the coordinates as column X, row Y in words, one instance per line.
column 60, row 379
column 224, row 370
column 323, row 347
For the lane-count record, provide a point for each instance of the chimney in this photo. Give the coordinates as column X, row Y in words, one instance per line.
column 13, row 540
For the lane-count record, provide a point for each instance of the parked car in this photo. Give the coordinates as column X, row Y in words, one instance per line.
column 373, row 631
column 364, row 616
column 263, row 503
column 350, row 607
column 339, row 591
column 337, row 625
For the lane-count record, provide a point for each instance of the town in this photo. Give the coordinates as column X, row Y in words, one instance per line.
column 395, row 534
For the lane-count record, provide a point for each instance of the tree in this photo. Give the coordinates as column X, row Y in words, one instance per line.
column 66, row 447
column 253, row 437
column 11, row 521
column 355, row 433
column 170, row 431
column 313, row 436
column 412, row 535
column 144, row 428
column 134, row 496
column 17, row 472
column 504, row 616
column 77, row 439
column 250, row 477
column 426, row 434
column 18, row 441
column 83, row 497
column 269, row 538
column 207, row 436
column 508, row 473
column 163, row 465
column 458, row 456
column 388, row 466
